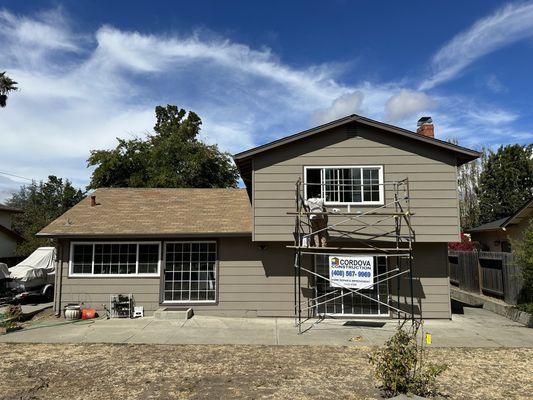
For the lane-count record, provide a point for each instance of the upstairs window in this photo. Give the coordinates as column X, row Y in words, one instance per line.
column 345, row 185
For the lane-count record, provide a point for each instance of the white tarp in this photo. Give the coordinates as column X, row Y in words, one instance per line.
column 36, row 270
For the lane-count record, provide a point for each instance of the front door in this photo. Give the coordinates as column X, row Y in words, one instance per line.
column 344, row 302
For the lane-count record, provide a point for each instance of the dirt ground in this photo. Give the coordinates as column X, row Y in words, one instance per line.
column 94, row 371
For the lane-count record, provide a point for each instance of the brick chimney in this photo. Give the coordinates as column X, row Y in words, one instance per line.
column 425, row 127
column 93, row 200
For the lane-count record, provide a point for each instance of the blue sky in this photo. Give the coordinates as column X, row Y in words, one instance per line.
column 90, row 71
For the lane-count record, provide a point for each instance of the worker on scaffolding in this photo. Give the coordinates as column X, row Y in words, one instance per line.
column 318, row 220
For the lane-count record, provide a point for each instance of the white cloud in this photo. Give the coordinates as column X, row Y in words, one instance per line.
column 79, row 91
column 407, row 103
column 494, row 84
column 342, row 106
column 492, row 116
column 508, row 24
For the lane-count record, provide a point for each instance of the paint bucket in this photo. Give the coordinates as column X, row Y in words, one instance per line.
column 88, row 313
column 72, row 312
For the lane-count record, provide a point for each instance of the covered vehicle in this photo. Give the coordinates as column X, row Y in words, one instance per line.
column 35, row 275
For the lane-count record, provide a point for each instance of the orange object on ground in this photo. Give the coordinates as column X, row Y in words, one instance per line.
column 88, row 313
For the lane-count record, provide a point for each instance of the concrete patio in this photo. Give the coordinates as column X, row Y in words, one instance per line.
column 475, row 328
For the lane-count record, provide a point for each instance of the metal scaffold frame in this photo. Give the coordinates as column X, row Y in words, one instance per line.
column 372, row 238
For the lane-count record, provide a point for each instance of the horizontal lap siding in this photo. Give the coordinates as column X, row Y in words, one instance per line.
column 432, row 180
column 431, row 285
column 95, row 292
column 253, row 282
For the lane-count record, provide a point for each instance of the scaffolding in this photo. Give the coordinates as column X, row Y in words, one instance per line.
column 378, row 238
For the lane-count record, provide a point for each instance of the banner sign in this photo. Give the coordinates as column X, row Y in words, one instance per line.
column 354, row 272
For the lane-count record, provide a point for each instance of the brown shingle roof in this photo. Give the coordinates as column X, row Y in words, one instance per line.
column 153, row 212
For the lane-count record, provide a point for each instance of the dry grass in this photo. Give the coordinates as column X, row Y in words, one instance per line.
column 39, row 371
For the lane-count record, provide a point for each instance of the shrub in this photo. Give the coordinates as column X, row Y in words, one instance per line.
column 400, row 366
column 13, row 312
column 523, row 250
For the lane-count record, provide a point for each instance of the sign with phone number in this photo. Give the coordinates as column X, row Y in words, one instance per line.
column 355, row 272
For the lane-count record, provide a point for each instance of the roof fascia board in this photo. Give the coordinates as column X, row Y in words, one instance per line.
column 141, row 235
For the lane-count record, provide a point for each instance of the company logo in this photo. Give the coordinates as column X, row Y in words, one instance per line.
column 335, row 262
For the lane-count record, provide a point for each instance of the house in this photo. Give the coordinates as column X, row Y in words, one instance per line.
column 497, row 235
column 231, row 252
column 8, row 237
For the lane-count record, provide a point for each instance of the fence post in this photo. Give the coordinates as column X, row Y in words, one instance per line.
column 512, row 279
column 479, row 274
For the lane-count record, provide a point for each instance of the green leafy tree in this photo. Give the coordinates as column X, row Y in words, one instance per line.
column 506, row 182
column 172, row 156
column 42, row 203
column 7, row 85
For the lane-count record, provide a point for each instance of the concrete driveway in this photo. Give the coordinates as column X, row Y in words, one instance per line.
column 475, row 328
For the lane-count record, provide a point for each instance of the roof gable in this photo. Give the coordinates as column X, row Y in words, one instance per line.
column 463, row 154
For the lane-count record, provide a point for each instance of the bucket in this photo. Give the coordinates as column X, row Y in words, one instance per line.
column 72, row 312
column 88, row 313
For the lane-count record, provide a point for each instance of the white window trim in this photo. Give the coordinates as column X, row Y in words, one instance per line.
column 93, row 275
column 216, row 275
column 322, row 168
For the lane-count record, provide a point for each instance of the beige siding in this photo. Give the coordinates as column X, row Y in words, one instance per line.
column 431, row 286
column 431, row 173
column 254, row 282
column 251, row 282
column 95, row 292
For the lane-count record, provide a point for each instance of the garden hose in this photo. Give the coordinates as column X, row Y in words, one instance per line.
column 75, row 321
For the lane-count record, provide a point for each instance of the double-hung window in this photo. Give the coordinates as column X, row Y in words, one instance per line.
column 345, row 185
column 115, row 259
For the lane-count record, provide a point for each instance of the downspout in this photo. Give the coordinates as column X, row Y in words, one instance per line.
column 59, row 279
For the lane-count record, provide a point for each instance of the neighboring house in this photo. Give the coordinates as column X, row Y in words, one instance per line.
column 224, row 251
column 8, row 237
column 497, row 235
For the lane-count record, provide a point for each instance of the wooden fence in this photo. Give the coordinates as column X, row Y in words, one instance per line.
column 491, row 273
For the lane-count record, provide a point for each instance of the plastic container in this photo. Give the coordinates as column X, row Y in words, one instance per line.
column 72, row 312
column 88, row 313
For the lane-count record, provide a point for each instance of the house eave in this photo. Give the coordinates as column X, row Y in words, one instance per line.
column 141, row 235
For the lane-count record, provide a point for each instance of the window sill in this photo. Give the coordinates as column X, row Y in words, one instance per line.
column 114, row 275
column 189, row 302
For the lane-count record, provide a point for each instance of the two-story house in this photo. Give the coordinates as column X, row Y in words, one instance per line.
column 232, row 251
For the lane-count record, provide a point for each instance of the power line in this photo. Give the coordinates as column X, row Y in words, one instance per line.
column 16, row 176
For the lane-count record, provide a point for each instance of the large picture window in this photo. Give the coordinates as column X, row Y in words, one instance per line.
column 190, row 271
column 115, row 259
column 345, row 185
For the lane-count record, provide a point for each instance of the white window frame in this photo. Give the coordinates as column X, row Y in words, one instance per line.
column 216, row 275
column 93, row 275
column 322, row 169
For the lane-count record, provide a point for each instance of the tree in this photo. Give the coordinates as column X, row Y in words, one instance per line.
column 523, row 250
column 41, row 203
column 172, row 156
column 467, row 185
column 7, row 85
column 506, row 182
